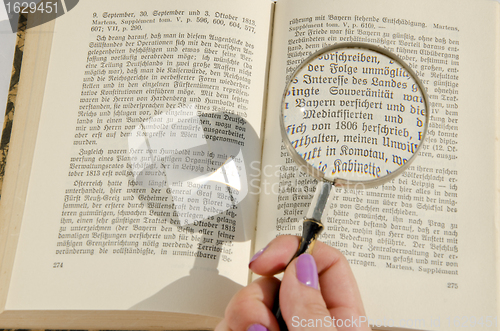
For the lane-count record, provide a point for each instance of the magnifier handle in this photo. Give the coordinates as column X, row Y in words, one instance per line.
column 311, row 229
column 310, row 232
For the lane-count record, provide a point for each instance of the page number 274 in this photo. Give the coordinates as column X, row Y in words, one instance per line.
column 57, row 265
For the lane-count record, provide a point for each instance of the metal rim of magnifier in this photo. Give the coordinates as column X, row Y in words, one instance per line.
column 340, row 181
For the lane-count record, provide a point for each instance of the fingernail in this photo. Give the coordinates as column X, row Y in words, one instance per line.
column 307, row 273
column 257, row 327
column 259, row 253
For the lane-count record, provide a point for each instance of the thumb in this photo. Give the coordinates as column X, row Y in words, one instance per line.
column 301, row 302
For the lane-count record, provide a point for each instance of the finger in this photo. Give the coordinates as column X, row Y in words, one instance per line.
column 252, row 305
column 339, row 288
column 222, row 326
column 301, row 302
column 274, row 258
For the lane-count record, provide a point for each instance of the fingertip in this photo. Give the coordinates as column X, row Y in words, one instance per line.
column 257, row 327
column 274, row 258
column 306, row 271
column 256, row 256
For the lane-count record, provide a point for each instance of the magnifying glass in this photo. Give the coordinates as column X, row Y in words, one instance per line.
column 352, row 115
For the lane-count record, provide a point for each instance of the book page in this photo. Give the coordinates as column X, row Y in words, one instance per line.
column 418, row 242
column 151, row 119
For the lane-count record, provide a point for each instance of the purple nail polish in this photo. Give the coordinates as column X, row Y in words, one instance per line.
column 259, row 253
column 257, row 327
column 307, row 272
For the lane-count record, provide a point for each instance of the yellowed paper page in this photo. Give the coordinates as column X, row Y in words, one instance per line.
column 422, row 246
column 150, row 121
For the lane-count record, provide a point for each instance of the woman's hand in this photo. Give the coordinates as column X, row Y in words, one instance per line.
column 318, row 291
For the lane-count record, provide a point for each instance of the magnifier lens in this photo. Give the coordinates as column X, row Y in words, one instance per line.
column 353, row 113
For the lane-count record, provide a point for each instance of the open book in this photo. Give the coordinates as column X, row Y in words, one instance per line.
column 146, row 164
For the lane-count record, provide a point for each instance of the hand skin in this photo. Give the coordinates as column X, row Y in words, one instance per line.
column 337, row 297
